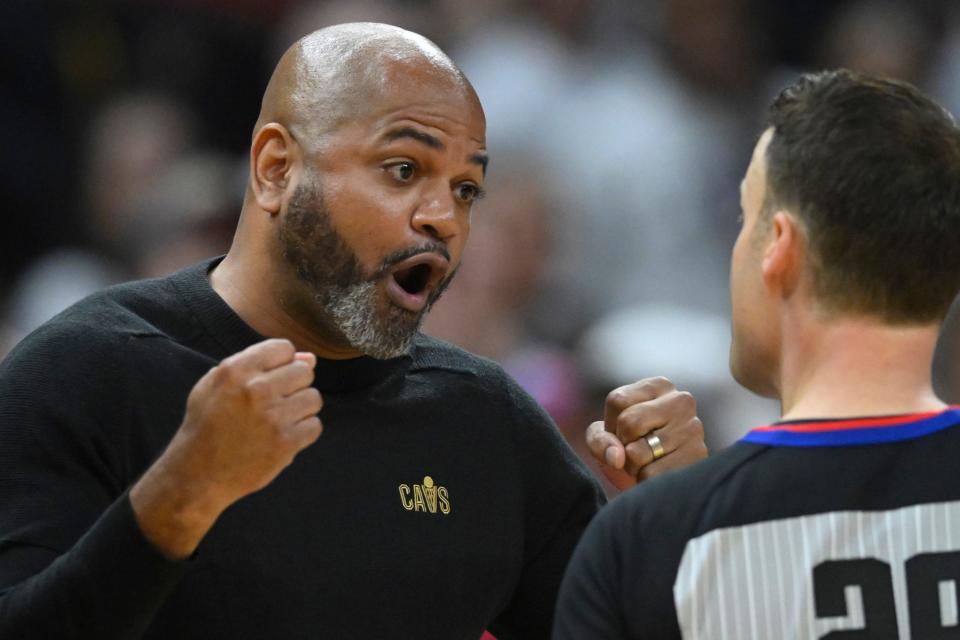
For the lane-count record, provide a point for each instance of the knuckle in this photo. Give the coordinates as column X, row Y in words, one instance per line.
column 274, row 420
column 280, row 344
column 659, row 383
column 618, row 399
column 228, row 371
column 313, row 428
column 686, row 401
column 285, row 348
column 636, row 453
column 231, row 360
column 315, row 400
column 625, row 424
column 309, row 373
column 651, row 388
column 256, row 389
column 698, row 430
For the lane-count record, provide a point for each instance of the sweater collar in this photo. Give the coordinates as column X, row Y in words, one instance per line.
column 231, row 334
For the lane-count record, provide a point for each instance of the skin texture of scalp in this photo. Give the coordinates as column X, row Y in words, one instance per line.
column 335, row 74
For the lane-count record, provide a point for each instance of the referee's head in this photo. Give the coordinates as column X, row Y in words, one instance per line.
column 851, row 208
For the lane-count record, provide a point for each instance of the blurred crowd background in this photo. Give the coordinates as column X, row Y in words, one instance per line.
column 618, row 132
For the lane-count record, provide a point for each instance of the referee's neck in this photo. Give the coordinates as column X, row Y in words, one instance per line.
column 857, row 367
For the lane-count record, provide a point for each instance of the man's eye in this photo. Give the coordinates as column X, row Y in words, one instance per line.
column 402, row 171
column 469, row 193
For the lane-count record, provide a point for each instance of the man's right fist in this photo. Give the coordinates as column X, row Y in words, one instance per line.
column 245, row 421
column 248, row 417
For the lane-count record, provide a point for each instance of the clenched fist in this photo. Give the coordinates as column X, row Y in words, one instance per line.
column 245, row 421
column 648, row 427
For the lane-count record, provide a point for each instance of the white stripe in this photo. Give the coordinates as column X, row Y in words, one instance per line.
column 764, row 546
column 919, row 528
column 791, row 584
column 807, row 594
column 774, row 561
column 890, row 533
column 721, row 585
column 947, row 590
column 781, row 576
column 861, row 547
column 748, row 574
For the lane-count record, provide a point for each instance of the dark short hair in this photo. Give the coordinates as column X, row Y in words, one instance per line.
column 871, row 166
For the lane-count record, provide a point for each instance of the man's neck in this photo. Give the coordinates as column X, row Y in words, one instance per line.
column 857, row 367
column 254, row 297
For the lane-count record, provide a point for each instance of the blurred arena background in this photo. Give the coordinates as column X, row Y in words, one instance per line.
column 618, row 132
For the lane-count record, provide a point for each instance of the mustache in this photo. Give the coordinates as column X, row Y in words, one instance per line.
column 403, row 254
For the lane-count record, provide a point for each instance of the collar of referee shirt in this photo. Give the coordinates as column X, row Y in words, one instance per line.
column 833, row 432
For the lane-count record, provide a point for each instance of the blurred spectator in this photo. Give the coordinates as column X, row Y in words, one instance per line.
column 188, row 213
column 133, row 139
column 422, row 17
column 517, row 98
column 946, row 72
column 644, row 157
column 184, row 214
column 851, row 40
column 715, row 45
column 946, row 362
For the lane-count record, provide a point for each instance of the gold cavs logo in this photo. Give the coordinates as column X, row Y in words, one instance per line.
column 426, row 497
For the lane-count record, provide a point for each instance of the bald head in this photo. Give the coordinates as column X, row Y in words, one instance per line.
column 341, row 72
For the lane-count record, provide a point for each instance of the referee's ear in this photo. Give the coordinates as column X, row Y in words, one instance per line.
column 785, row 254
column 272, row 159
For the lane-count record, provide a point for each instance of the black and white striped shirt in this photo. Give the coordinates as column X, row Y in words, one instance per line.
column 805, row 529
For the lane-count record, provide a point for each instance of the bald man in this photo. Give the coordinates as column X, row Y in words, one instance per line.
column 157, row 474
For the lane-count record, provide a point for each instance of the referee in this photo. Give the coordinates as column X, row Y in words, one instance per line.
column 842, row 520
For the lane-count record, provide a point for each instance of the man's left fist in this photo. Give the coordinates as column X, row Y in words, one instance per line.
column 648, row 427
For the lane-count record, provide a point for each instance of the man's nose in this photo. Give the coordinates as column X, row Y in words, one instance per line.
column 437, row 216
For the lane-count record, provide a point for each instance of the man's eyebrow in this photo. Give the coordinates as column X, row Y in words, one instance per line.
column 481, row 159
column 410, row 132
column 432, row 142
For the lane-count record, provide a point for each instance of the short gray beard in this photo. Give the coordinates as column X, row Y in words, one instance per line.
column 354, row 311
column 347, row 297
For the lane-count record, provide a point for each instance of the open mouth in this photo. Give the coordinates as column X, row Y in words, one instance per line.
column 414, row 279
column 410, row 282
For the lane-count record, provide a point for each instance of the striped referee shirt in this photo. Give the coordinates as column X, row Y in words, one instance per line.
column 804, row 529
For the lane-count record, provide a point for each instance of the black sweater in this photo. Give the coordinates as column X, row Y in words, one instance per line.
column 439, row 501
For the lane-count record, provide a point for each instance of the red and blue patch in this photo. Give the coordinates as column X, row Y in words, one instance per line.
column 853, row 431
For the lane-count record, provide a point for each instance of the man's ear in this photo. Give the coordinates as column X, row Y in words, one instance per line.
column 272, row 158
column 784, row 254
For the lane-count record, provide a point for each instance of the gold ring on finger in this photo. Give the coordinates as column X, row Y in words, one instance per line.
column 656, row 445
